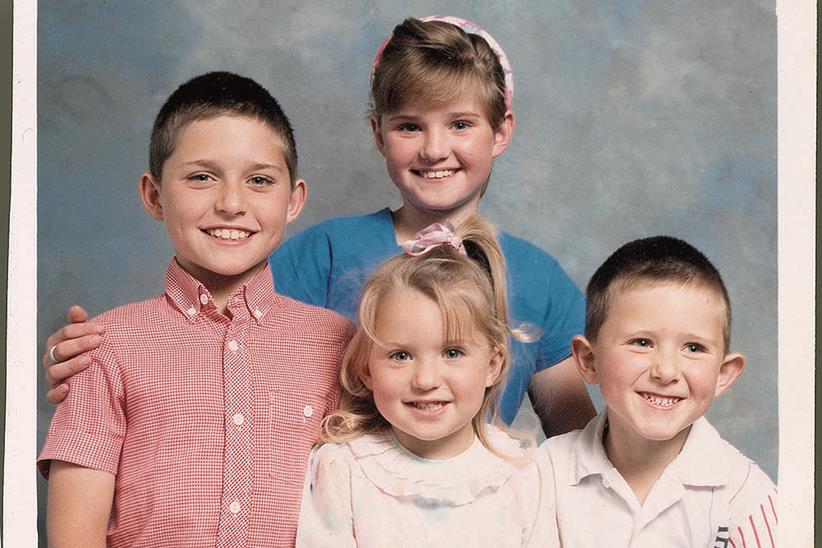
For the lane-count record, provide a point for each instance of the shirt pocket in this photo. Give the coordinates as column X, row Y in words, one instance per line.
column 294, row 417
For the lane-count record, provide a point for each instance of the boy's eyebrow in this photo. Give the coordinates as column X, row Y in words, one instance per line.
column 212, row 165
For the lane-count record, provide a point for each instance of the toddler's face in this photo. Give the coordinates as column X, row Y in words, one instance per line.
column 659, row 360
column 440, row 155
column 428, row 388
column 225, row 197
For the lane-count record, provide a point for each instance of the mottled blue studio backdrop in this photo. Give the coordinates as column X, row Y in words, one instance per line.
column 634, row 118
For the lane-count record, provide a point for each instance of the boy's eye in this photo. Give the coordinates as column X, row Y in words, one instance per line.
column 409, row 127
column 642, row 343
column 694, row 347
column 460, row 125
column 259, row 180
column 452, row 353
column 200, row 177
column 400, row 355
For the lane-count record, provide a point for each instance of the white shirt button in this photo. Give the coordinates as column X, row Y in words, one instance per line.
column 234, row 507
column 308, row 411
column 258, row 313
column 204, row 298
column 191, row 311
column 233, row 346
column 606, row 483
column 238, row 419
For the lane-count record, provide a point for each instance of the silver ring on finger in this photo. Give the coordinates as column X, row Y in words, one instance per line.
column 51, row 353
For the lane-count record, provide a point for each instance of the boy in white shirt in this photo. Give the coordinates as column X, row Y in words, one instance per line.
column 650, row 470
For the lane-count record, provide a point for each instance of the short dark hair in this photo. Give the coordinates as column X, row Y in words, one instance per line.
column 211, row 95
column 655, row 259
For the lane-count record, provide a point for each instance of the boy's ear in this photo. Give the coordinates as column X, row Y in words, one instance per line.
column 732, row 366
column 377, row 131
column 503, row 134
column 494, row 367
column 583, row 352
column 150, row 195
column 299, row 195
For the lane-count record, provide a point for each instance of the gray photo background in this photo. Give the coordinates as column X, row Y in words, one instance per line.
column 634, row 118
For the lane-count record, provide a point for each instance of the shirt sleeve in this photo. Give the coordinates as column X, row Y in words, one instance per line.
column 326, row 518
column 753, row 519
column 302, row 267
column 88, row 428
column 564, row 317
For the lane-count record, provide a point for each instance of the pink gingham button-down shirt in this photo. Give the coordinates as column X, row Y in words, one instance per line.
column 206, row 420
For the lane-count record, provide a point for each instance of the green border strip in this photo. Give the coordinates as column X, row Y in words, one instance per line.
column 6, row 24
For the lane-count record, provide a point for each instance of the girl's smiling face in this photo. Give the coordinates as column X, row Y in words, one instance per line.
column 440, row 155
column 428, row 388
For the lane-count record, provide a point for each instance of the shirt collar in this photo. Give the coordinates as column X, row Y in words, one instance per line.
column 702, row 462
column 588, row 453
column 191, row 297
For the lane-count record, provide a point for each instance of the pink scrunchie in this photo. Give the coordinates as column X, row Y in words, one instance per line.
column 432, row 236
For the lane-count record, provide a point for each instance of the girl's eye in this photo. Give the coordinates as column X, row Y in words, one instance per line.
column 452, row 353
column 400, row 356
column 642, row 343
column 409, row 127
column 694, row 347
column 259, row 180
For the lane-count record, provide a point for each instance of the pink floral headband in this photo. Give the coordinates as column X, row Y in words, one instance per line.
column 433, row 236
column 470, row 28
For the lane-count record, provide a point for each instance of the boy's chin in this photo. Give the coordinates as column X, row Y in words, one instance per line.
column 222, row 274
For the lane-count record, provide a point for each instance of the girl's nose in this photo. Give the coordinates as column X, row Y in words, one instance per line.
column 426, row 376
column 434, row 147
column 230, row 199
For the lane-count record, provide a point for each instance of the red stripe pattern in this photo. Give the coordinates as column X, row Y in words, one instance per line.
column 757, row 529
column 206, row 421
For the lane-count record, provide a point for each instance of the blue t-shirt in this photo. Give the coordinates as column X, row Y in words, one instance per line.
column 328, row 264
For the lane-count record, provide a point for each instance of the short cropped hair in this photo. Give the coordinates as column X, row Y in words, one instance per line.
column 655, row 259
column 435, row 61
column 216, row 94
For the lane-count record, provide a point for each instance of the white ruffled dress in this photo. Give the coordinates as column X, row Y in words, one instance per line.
column 372, row 492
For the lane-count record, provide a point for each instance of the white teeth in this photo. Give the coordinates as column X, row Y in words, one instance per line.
column 228, row 234
column 428, row 405
column 437, row 174
column 659, row 400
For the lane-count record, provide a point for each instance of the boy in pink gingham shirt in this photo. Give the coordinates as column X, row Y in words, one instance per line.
column 193, row 425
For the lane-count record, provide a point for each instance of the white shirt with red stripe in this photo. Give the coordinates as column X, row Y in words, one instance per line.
column 710, row 495
column 206, row 421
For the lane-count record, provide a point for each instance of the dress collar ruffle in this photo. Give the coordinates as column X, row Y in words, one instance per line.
column 455, row 481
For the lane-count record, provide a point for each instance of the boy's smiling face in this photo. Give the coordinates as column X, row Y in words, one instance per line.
column 659, row 359
column 225, row 196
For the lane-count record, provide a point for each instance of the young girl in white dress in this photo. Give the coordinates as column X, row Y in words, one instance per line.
column 409, row 458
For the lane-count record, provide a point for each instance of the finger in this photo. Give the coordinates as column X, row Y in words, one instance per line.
column 60, row 371
column 73, row 331
column 67, row 350
column 57, row 394
column 77, row 314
